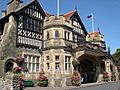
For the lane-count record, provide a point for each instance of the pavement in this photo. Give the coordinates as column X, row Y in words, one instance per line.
column 90, row 86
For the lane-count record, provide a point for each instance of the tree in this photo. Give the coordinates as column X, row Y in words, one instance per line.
column 116, row 56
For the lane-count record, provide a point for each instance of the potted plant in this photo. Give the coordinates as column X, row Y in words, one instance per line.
column 18, row 78
column 17, row 70
column 21, row 82
column 75, row 79
column 113, row 76
column 105, row 77
column 42, row 80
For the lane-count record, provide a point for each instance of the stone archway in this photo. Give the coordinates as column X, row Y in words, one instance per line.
column 87, row 69
column 9, row 64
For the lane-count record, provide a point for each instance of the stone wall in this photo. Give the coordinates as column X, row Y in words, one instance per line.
column 6, row 83
column 10, row 82
column 1, row 69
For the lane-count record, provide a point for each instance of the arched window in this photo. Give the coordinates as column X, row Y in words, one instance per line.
column 56, row 34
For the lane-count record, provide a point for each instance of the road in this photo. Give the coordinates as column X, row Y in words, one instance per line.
column 93, row 86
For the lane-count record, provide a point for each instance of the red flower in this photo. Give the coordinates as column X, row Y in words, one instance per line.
column 42, row 78
column 17, row 69
column 20, row 59
column 74, row 78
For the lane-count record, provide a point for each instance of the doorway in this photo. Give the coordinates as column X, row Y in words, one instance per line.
column 87, row 69
column 8, row 66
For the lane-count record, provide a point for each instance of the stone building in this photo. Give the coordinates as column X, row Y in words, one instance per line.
column 50, row 43
column 21, row 35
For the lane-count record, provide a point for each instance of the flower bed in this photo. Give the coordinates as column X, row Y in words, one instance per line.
column 105, row 77
column 113, row 77
column 42, row 80
column 17, row 70
column 75, row 79
column 18, row 76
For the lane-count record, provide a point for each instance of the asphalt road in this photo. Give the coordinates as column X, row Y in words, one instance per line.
column 92, row 86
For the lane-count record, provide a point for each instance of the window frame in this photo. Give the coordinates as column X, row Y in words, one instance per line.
column 32, row 66
column 57, row 63
column 57, row 34
column 66, row 35
column 67, row 63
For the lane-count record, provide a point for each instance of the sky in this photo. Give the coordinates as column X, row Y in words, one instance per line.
column 106, row 14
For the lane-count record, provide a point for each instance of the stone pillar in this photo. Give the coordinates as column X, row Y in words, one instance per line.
column 51, row 84
column 75, row 64
column 107, row 66
column 116, row 73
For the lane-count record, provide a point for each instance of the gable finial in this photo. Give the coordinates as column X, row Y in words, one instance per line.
column 76, row 7
column 98, row 29
column 109, row 51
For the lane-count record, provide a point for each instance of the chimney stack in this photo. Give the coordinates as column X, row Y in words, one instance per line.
column 13, row 5
column 4, row 13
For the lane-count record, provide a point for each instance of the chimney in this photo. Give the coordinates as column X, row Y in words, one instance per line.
column 13, row 5
column 4, row 13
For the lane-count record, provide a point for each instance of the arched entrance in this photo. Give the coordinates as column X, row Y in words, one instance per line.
column 87, row 69
column 8, row 67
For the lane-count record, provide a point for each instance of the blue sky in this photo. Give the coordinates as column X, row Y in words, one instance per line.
column 106, row 15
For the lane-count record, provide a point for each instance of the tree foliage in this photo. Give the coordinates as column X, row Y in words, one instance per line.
column 116, row 56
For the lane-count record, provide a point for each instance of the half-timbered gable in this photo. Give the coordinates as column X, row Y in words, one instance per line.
column 30, row 22
column 79, row 31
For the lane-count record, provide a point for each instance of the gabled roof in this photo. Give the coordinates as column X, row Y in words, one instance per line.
column 96, row 36
column 69, row 14
column 74, row 12
column 23, row 7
